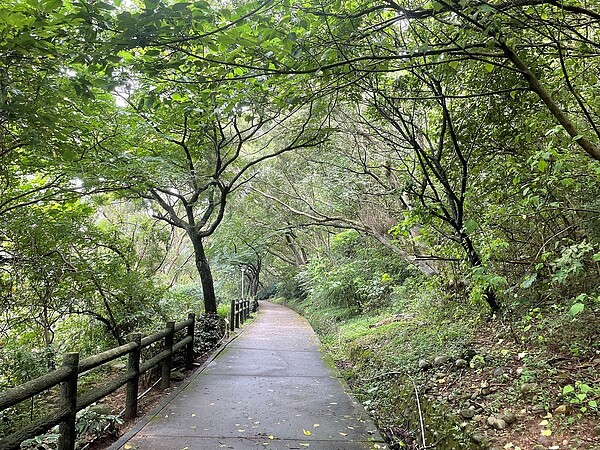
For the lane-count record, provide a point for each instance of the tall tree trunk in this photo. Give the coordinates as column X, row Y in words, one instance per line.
column 208, row 287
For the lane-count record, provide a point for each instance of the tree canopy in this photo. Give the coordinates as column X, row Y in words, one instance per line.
column 461, row 137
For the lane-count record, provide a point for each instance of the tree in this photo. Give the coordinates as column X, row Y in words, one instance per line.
column 194, row 158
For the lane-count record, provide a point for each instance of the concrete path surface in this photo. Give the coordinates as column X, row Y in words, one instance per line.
column 269, row 388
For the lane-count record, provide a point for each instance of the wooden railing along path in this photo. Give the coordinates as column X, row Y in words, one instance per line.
column 239, row 312
column 68, row 374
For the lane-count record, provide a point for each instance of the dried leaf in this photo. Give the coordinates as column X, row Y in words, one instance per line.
column 306, row 432
column 546, row 432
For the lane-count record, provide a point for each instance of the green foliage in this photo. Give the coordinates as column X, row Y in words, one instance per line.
column 582, row 396
column 186, row 297
column 91, row 424
column 357, row 276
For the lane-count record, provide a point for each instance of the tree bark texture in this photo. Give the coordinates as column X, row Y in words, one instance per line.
column 206, row 279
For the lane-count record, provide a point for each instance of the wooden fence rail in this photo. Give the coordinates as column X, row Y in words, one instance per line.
column 240, row 312
column 67, row 375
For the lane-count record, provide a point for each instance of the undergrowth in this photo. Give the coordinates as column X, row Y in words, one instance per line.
column 379, row 353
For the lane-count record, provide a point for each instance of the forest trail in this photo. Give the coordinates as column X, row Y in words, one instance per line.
column 269, row 388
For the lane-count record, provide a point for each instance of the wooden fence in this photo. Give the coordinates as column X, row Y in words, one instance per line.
column 239, row 313
column 67, row 375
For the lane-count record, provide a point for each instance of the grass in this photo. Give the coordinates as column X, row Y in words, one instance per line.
column 378, row 353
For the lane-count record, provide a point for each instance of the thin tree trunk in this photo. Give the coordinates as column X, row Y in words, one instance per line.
column 489, row 294
column 206, row 279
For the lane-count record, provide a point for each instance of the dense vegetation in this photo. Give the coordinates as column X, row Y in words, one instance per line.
column 417, row 177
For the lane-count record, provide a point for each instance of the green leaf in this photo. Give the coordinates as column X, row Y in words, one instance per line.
column 576, row 309
column 51, row 5
column 453, row 64
column 596, row 257
column 489, row 67
column 528, row 281
column 470, row 226
column 568, row 389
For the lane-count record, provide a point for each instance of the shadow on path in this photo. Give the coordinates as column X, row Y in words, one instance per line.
column 269, row 388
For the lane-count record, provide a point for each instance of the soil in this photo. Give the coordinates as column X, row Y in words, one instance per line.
column 494, row 385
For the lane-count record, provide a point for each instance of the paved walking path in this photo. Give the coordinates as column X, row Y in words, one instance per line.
column 269, row 388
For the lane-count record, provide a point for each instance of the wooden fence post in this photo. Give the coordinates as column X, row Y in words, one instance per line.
column 166, row 364
column 232, row 314
column 237, row 314
column 189, row 351
column 131, row 391
column 68, row 402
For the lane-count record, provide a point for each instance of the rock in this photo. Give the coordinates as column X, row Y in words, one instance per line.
column 496, row 423
column 519, row 371
column 478, row 418
column 424, row 364
column 545, row 441
column 539, row 447
column 596, row 431
column 498, row 372
column 528, row 388
column 508, row 417
column 479, row 439
column 177, row 376
column 538, row 408
column 467, row 413
column 461, row 363
column 440, row 360
column 564, row 410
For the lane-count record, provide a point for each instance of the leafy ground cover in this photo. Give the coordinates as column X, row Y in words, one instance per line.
column 526, row 379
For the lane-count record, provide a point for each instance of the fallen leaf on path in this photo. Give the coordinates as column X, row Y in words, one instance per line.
column 343, row 434
column 306, row 432
column 316, row 425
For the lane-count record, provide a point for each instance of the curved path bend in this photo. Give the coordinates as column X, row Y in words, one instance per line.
column 269, row 388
